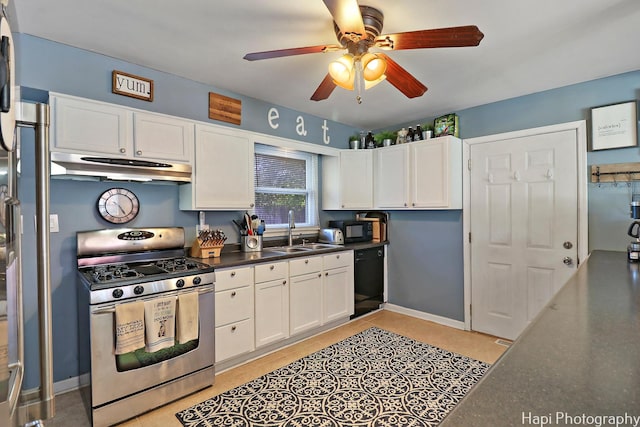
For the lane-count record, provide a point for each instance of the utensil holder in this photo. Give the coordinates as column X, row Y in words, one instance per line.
column 251, row 243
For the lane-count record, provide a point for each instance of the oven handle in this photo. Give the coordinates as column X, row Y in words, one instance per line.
column 112, row 308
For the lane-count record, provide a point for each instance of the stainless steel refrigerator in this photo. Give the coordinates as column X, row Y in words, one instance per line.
column 15, row 409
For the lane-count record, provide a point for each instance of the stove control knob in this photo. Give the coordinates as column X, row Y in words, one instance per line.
column 180, row 283
column 138, row 290
column 117, row 293
column 197, row 280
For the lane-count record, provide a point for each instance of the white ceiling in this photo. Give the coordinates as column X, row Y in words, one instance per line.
column 529, row 46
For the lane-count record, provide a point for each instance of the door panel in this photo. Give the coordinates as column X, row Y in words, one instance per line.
column 524, row 205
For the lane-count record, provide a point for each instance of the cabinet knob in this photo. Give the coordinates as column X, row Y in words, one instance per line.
column 284, row 282
column 272, row 267
column 233, row 274
column 233, row 294
column 306, row 261
column 123, row 150
column 337, row 256
column 251, row 205
column 326, row 274
column 405, row 205
column 319, row 275
column 233, row 328
column 139, row 153
column 413, row 204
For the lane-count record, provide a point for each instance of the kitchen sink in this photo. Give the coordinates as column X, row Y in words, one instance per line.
column 287, row 249
column 316, row 246
column 307, row 247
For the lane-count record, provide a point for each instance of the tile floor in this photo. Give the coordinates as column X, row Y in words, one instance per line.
column 70, row 409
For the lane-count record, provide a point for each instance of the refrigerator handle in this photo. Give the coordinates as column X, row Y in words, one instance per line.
column 14, row 269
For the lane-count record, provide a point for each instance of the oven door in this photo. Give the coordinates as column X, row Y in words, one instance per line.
column 114, row 377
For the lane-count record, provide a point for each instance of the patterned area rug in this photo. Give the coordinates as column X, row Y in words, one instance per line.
column 374, row 378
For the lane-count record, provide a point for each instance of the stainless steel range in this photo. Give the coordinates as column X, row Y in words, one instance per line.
column 120, row 267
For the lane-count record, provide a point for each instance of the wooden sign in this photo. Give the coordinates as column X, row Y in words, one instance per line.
column 131, row 85
column 224, row 108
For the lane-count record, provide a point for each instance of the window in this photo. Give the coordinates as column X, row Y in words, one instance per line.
column 284, row 180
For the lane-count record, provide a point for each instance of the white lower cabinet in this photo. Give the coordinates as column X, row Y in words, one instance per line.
column 271, row 302
column 275, row 301
column 337, row 285
column 305, row 294
column 234, row 312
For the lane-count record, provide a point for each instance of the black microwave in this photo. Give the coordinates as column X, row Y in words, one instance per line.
column 354, row 230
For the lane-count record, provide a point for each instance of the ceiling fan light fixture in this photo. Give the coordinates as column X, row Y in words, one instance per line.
column 373, row 66
column 368, row 84
column 341, row 70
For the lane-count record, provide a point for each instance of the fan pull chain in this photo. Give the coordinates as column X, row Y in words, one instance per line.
column 359, row 80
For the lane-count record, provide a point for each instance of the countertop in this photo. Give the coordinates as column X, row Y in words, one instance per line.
column 579, row 358
column 238, row 258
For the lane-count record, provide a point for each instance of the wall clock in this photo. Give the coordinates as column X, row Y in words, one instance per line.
column 118, row 205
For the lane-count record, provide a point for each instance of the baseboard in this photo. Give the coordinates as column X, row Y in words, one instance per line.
column 424, row 316
column 70, row 384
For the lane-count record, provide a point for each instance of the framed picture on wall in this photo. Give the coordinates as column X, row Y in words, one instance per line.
column 614, row 126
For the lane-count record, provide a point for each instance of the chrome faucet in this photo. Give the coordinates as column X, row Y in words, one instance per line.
column 292, row 225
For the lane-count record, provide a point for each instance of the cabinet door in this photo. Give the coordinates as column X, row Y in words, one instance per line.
column 83, row 126
column 391, row 179
column 338, row 293
column 271, row 311
column 430, row 174
column 356, row 183
column 223, row 170
column 234, row 339
column 305, row 302
column 160, row 137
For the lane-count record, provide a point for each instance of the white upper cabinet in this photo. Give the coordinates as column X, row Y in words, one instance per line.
column 419, row 175
column 391, row 178
column 222, row 171
column 84, row 126
column 162, row 137
column 347, row 180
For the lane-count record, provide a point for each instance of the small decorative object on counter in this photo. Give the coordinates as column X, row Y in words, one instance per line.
column 446, row 125
column 370, row 141
column 354, row 141
column 427, row 131
column 409, row 134
column 417, row 135
column 208, row 244
column 402, row 136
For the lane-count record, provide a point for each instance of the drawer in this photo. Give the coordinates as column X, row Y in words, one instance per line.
column 229, row 278
column 305, row 265
column 234, row 305
column 271, row 271
column 337, row 259
column 234, row 339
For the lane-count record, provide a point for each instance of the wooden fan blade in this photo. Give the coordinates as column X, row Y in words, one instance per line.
column 402, row 79
column 346, row 14
column 468, row 35
column 324, row 90
column 291, row 52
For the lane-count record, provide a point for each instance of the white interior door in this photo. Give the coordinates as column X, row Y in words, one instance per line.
column 524, row 227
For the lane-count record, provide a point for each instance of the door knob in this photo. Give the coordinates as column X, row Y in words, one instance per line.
column 567, row 245
column 567, row 260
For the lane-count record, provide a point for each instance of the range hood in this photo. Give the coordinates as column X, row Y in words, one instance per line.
column 83, row 166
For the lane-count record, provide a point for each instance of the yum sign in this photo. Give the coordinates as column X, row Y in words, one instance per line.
column 131, row 85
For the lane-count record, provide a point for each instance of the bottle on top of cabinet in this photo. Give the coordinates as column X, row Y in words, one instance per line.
column 417, row 135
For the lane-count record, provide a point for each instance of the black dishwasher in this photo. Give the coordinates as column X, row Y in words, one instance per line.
column 369, row 279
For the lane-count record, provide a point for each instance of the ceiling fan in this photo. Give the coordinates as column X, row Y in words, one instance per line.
column 358, row 29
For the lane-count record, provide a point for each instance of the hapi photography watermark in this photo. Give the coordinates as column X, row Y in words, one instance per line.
column 560, row 418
